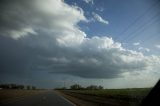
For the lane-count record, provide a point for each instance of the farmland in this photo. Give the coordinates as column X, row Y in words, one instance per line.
column 110, row 97
column 7, row 95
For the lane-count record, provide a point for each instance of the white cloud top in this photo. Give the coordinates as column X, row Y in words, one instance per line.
column 136, row 43
column 89, row 1
column 99, row 18
column 143, row 49
column 53, row 15
column 157, row 46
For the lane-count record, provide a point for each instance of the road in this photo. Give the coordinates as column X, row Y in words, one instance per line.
column 48, row 98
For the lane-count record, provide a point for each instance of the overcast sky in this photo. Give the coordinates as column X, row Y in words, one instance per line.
column 55, row 43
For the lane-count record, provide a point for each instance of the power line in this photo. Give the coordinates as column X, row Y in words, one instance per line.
column 153, row 37
column 138, row 18
column 142, row 28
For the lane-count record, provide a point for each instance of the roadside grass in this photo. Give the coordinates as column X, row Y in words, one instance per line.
column 126, row 94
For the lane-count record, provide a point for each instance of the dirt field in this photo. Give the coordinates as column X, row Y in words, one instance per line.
column 10, row 95
column 109, row 97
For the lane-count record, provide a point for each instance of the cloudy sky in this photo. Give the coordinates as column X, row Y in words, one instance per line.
column 56, row 43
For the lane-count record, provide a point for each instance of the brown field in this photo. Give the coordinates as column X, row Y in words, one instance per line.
column 11, row 95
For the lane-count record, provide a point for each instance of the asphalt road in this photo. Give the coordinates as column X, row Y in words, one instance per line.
column 48, row 98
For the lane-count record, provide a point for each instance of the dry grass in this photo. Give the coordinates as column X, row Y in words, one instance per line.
column 77, row 101
column 7, row 95
column 110, row 97
column 125, row 94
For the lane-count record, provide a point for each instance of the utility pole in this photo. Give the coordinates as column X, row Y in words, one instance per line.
column 64, row 84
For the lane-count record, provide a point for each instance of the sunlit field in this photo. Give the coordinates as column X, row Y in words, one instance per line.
column 116, row 93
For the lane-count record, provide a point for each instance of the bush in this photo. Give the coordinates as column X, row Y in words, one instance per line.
column 76, row 87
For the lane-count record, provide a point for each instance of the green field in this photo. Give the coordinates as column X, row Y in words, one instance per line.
column 124, row 97
column 116, row 93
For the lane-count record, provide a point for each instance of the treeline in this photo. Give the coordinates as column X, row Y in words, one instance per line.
column 17, row 86
column 79, row 87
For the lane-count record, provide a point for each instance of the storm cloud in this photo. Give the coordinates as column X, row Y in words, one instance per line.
column 44, row 35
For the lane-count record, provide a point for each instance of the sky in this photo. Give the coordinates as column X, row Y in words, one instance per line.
column 57, row 43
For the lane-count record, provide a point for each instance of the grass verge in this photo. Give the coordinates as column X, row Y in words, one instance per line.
column 110, row 97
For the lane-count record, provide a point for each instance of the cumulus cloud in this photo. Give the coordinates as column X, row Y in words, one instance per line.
column 20, row 18
column 136, row 43
column 100, row 9
column 99, row 18
column 89, row 1
column 157, row 46
column 46, row 37
column 143, row 49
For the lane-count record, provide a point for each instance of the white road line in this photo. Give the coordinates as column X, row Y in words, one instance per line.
column 65, row 99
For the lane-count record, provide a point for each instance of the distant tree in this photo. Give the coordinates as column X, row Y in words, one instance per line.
column 75, row 87
column 100, row 87
column 28, row 87
column 62, row 88
column 4, row 86
column 21, row 87
column 15, row 86
column 94, row 87
column 33, row 88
